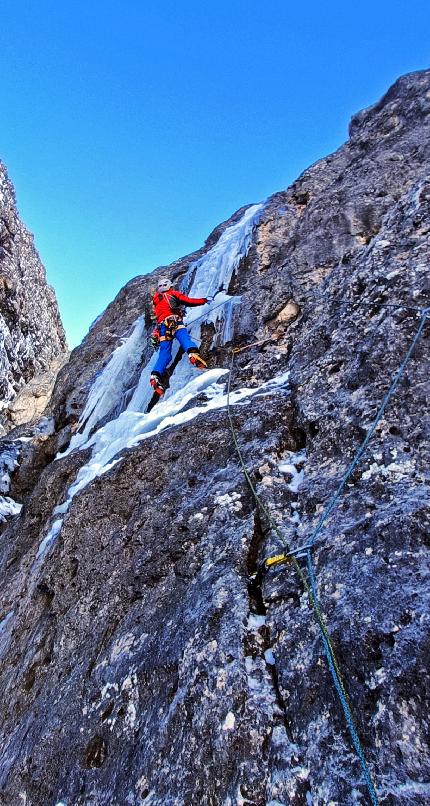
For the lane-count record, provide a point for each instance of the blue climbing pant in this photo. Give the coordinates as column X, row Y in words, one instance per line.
column 165, row 353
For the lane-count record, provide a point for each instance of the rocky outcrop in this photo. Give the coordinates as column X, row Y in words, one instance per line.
column 31, row 333
column 142, row 662
column 32, row 400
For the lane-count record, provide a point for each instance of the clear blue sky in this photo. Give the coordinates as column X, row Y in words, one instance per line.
column 130, row 129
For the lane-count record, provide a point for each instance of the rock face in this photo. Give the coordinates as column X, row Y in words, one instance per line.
column 31, row 333
column 140, row 664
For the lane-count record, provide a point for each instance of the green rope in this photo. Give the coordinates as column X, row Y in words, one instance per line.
column 332, row 660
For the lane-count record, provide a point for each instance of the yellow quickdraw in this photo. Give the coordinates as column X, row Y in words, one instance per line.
column 277, row 560
column 286, row 558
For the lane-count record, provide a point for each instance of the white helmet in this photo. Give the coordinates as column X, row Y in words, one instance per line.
column 164, row 284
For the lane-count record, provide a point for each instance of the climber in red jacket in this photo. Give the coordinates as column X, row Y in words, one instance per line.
column 170, row 314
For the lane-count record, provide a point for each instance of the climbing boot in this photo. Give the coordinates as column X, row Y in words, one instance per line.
column 156, row 384
column 197, row 360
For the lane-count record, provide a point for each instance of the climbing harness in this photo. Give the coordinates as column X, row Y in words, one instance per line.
column 292, row 556
column 155, row 338
column 171, row 325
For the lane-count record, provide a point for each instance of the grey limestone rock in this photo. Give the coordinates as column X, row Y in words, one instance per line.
column 31, row 333
column 140, row 661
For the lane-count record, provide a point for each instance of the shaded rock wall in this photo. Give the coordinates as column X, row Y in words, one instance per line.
column 31, row 333
column 139, row 664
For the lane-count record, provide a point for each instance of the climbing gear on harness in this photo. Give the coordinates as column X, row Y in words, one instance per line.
column 197, row 360
column 169, row 313
column 156, row 384
column 171, row 325
column 154, row 339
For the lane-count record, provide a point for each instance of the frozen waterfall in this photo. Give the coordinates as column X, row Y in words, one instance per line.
column 209, row 275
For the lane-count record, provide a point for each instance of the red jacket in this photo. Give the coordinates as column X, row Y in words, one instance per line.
column 164, row 303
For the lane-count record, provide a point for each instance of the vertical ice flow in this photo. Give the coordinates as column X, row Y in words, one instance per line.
column 111, row 383
column 208, row 276
column 211, row 274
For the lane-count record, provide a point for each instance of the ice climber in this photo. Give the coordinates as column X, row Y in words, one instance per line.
column 168, row 307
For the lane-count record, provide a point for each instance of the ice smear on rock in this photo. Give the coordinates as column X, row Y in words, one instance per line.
column 52, row 534
column 6, row 626
column 5, row 621
column 130, row 428
column 8, row 463
column 209, row 275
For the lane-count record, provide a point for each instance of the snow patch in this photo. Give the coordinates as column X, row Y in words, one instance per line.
column 293, row 466
column 122, row 646
column 198, row 516
column 8, row 508
column 231, row 501
column 395, row 471
column 105, row 692
column 131, row 715
column 8, row 463
column 255, row 622
column 229, row 721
